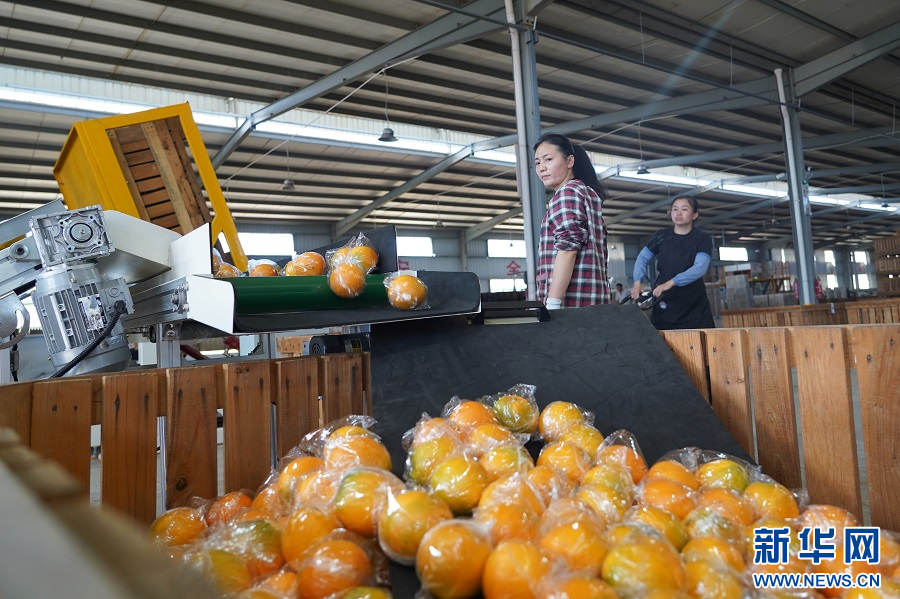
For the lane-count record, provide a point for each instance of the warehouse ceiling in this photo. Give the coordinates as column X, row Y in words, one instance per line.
column 683, row 88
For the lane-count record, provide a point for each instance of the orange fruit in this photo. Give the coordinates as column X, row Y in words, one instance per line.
column 706, row 521
column 428, row 454
column 579, row 544
column 344, row 452
column 675, row 471
column 488, row 436
column 333, row 566
column 504, row 460
column 770, row 499
column 837, row 566
column 342, row 254
column 284, row 582
column 577, row 586
column 451, row 558
column 584, row 436
column 304, row 528
column 264, row 269
column 459, row 482
column 429, row 428
column 226, row 569
column 515, row 488
column 407, row 292
column 728, row 503
column 557, row 418
column 367, row 593
column 642, row 563
column 227, row 271
column 889, row 551
column 259, row 542
column 178, row 526
column 826, row 516
column 216, row 260
column 625, row 456
column 713, row 549
column 668, row 495
column 750, row 534
column 511, row 570
column 319, row 488
column 348, row 430
column 305, row 265
column 295, row 471
column 365, row 256
column 566, row 457
column 405, row 519
column 608, row 503
column 469, row 415
column 549, row 483
column 269, row 502
column 227, row 506
column 711, row 580
column 359, row 498
column 666, row 523
column 347, row 280
column 611, row 474
column 723, row 473
column 513, row 520
column 517, row 413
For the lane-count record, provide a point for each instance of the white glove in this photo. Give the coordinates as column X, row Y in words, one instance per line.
column 553, row 303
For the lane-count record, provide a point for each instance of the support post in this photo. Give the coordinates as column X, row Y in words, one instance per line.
column 800, row 208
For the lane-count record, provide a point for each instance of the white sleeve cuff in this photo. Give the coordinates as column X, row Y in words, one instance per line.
column 553, row 303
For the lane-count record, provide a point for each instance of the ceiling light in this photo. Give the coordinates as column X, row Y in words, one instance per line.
column 439, row 223
column 288, row 185
column 642, row 171
column 387, row 135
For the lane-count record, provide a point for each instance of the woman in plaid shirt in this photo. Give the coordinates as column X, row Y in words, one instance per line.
column 571, row 268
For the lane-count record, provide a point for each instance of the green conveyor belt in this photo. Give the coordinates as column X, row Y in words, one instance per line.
column 268, row 295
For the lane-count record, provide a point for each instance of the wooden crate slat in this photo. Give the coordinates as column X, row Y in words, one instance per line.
column 245, row 397
column 160, row 196
column 826, row 416
column 728, row 386
column 61, row 425
column 130, row 137
column 129, row 441
column 138, row 157
column 189, row 182
column 15, row 409
column 688, row 349
column 296, row 395
column 367, row 383
column 773, row 405
column 162, row 146
column 340, row 377
column 125, row 167
column 147, row 175
column 877, row 353
column 168, row 222
column 191, row 448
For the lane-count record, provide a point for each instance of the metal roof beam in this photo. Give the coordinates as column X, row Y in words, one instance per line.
column 832, row 242
column 834, row 65
column 777, row 240
column 449, row 30
column 861, row 189
column 485, row 226
column 858, row 169
column 348, row 222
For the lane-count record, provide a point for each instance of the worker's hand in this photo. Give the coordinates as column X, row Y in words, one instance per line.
column 636, row 290
column 663, row 287
column 553, row 303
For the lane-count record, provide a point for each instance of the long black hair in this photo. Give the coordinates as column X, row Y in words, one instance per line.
column 583, row 169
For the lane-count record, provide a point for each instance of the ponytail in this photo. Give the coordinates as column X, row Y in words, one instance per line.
column 582, row 169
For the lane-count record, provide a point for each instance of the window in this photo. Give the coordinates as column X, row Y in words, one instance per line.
column 415, row 246
column 829, row 257
column 831, row 281
column 733, row 254
column 501, row 285
column 506, row 248
column 862, row 281
column 861, row 257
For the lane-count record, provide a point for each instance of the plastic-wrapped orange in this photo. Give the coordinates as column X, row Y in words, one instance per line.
column 178, row 526
column 307, row 264
column 365, row 256
column 451, row 559
column 407, row 292
column 333, row 567
column 227, row 271
column 347, row 280
column 405, row 519
column 264, row 269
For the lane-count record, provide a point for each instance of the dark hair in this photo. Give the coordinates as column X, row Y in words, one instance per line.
column 695, row 206
column 583, row 169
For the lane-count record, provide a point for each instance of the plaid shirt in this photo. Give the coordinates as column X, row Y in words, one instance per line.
column 574, row 221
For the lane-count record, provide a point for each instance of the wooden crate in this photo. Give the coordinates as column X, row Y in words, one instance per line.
column 876, row 311
column 268, row 406
column 151, row 165
column 751, row 389
column 54, row 544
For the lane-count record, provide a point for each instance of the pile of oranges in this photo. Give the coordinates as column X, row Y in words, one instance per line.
column 477, row 516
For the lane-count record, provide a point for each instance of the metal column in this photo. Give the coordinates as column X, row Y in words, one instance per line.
column 800, row 209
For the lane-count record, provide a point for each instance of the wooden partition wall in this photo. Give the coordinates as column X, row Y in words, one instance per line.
column 874, row 311
column 267, row 407
column 791, row 396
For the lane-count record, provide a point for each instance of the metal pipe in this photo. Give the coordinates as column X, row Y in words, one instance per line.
column 523, row 158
